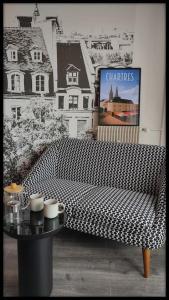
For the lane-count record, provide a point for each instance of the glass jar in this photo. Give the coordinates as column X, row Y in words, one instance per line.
column 14, row 201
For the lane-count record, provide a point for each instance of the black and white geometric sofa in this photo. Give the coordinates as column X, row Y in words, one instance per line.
column 112, row 190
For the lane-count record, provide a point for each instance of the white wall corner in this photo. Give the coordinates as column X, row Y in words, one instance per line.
column 149, row 55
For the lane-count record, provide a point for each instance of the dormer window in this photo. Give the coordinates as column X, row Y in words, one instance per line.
column 72, row 78
column 72, row 75
column 12, row 53
column 36, row 54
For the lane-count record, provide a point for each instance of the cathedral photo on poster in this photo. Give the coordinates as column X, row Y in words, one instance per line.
column 119, row 100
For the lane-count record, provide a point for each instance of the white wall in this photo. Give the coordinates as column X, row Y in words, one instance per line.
column 163, row 132
column 149, row 54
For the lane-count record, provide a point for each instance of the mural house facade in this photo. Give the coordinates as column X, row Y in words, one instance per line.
column 28, row 71
column 74, row 96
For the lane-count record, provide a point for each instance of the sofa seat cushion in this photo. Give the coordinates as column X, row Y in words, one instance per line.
column 117, row 204
column 84, row 201
column 113, row 213
column 68, row 192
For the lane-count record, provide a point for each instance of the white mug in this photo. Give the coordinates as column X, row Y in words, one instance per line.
column 52, row 208
column 37, row 202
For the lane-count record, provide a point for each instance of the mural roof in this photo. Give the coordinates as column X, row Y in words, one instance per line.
column 71, row 54
column 25, row 39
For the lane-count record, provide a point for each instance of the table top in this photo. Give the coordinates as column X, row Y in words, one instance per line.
column 33, row 225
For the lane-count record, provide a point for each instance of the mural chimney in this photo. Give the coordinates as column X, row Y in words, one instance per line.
column 36, row 13
column 49, row 28
column 24, row 21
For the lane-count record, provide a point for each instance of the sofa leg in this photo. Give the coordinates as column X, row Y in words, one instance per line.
column 146, row 261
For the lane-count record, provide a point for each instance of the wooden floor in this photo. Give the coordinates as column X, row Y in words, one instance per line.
column 85, row 265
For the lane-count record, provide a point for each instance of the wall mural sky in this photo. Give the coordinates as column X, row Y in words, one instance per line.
column 85, row 18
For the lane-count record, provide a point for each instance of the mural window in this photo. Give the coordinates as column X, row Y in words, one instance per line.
column 72, row 78
column 15, row 82
column 40, row 83
column 12, row 55
column 108, row 46
column 16, row 113
column 61, row 102
column 99, row 46
column 86, row 102
column 37, row 56
column 73, row 102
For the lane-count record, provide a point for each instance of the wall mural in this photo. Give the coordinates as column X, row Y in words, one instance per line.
column 52, row 54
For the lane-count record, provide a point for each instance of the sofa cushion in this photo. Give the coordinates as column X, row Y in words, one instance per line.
column 127, row 166
column 117, row 204
column 68, row 192
column 115, row 214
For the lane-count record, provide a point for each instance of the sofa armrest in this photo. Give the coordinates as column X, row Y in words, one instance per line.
column 155, row 236
column 45, row 167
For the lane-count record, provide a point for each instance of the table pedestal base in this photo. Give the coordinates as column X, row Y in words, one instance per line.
column 35, row 267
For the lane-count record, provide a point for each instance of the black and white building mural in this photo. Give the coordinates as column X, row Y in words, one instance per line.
column 52, row 54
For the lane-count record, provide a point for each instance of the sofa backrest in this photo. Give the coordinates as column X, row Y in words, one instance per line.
column 128, row 166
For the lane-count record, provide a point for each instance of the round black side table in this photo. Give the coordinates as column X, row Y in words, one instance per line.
column 34, row 235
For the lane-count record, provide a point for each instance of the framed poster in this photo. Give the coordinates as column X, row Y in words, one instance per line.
column 119, row 96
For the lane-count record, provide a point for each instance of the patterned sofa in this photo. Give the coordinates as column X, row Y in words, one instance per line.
column 112, row 190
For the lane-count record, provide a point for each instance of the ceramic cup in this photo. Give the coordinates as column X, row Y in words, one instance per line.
column 37, row 202
column 52, row 208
